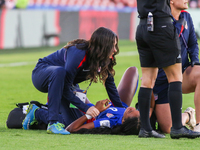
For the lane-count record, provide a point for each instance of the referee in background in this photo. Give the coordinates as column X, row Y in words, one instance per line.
column 159, row 47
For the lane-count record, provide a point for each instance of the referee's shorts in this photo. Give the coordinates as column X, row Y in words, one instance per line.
column 160, row 48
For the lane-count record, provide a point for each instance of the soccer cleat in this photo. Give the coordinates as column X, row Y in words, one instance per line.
column 197, row 128
column 30, row 116
column 57, row 128
column 192, row 121
column 145, row 134
column 183, row 132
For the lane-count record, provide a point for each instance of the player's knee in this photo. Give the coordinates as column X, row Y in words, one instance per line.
column 148, row 83
column 134, row 70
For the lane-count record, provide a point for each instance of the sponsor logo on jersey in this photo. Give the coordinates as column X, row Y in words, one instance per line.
column 109, row 115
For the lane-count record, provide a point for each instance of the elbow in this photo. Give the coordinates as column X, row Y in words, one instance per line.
column 69, row 129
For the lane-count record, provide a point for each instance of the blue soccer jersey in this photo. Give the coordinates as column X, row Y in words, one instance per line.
column 110, row 117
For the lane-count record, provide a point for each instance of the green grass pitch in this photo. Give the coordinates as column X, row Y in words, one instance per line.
column 16, row 66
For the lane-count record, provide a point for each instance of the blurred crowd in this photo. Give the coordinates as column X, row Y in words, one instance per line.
column 119, row 4
column 10, row 4
column 194, row 3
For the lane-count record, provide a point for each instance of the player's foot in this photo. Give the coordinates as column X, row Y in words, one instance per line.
column 197, row 128
column 183, row 132
column 145, row 134
column 57, row 128
column 192, row 121
column 30, row 116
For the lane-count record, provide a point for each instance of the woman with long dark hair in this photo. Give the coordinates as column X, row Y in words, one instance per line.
column 78, row 61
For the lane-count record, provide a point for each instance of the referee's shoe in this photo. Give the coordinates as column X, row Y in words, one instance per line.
column 147, row 134
column 183, row 132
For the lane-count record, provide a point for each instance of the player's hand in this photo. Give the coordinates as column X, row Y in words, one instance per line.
column 103, row 105
column 93, row 111
column 195, row 63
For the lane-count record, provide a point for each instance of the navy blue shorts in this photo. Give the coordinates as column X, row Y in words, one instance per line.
column 161, row 93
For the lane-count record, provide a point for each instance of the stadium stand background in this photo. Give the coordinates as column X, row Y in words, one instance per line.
column 75, row 4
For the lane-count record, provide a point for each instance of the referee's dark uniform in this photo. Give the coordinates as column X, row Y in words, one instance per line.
column 159, row 46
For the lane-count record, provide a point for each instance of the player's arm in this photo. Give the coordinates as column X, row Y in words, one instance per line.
column 193, row 48
column 72, row 62
column 112, row 91
column 79, row 123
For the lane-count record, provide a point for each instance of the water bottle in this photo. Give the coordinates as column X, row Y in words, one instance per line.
column 150, row 22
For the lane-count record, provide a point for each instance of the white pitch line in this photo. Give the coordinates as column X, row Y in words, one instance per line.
column 16, row 64
column 128, row 53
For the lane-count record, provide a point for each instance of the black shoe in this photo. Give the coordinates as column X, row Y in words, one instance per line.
column 145, row 134
column 183, row 132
